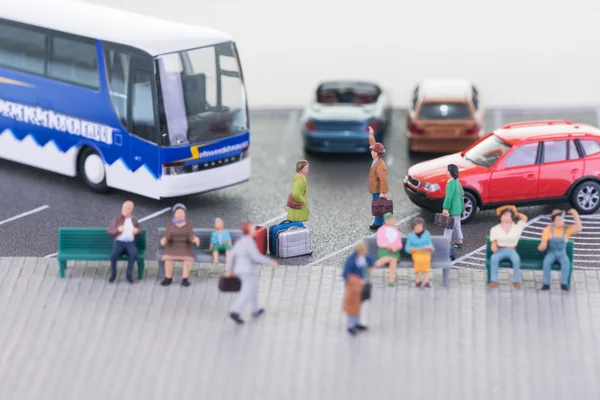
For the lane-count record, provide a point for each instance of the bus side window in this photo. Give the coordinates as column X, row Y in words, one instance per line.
column 142, row 106
column 117, row 75
column 74, row 61
column 22, row 49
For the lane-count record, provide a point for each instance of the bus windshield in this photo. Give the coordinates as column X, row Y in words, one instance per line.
column 201, row 95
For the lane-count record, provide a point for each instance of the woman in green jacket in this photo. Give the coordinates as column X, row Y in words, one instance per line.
column 454, row 204
column 298, row 199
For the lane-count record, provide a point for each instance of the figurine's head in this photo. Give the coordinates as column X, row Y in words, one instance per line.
column 417, row 225
column 179, row 212
column 302, row 167
column 361, row 249
column 377, row 151
column 248, row 229
column 558, row 218
column 127, row 209
column 452, row 171
column 389, row 219
column 507, row 216
column 219, row 225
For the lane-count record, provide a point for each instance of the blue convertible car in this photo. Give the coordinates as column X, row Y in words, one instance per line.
column 338, row 121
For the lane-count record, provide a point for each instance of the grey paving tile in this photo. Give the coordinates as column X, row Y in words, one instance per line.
column 81, row 337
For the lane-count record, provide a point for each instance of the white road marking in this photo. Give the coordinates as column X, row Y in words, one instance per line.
column 335, row 253
column 156, row 214
column 277, row 218
column 35, row 210
column 146, row 218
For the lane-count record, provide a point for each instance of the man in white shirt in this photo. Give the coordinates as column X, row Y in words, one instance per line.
column 124, row 228
column 504, row 239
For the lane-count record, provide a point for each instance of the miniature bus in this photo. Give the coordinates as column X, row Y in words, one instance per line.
column 121, row 100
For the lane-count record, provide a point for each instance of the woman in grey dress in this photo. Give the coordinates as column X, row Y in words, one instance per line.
column 243, row 260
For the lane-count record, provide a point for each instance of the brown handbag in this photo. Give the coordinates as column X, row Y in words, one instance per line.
column 444, row 221
column 291, row 203
column 380, row 207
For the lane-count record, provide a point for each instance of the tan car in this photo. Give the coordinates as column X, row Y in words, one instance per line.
column 445, row 117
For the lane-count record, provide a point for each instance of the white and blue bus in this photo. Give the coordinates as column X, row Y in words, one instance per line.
column 124, row 101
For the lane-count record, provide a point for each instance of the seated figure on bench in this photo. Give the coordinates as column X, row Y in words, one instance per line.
column 554, row 240
column 389, row 243
column 504, row 239
column 124, row 228
column 220, row 242
column 420, row 246
column 178, row 240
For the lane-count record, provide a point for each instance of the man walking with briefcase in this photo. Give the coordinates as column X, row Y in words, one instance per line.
column 378, row 182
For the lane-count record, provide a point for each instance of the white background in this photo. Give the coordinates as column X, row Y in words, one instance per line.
column 519, row 52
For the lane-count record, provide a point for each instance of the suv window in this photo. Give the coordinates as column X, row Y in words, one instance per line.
column 555, row 150
column 590, row 146
column 22, row 49
column 573, row 151
column 444, row 111
column 522, row 156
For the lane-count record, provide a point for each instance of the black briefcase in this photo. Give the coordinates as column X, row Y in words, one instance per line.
column 366, row 293
column 230, row 284
column 444, row 221
column 380, row 207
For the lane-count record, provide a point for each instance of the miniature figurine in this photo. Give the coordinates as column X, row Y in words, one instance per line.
column 178, row 240
column 244, row 257
column 420, row 246
column 554, row 240
column 220, row 242
column 298, row 200
column 378, row 182
column 124, row 228
column 356, row 273
column 454, row 204
column 389, row 243
column 504, row 239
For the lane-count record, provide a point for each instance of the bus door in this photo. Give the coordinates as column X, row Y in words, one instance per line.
column 132, row 93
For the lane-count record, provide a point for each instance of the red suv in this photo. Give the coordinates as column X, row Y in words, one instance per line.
column 526, row 163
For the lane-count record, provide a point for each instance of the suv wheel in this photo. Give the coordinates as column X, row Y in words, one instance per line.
column 470, row 208
column 586, row 197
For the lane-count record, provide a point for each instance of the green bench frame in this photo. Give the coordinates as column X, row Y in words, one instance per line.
column 531, row 258
column 93, row 244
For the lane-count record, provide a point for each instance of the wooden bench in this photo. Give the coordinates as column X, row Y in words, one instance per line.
column 440, row 259
column 93, row 244
column 200, row 253
column 531, row 258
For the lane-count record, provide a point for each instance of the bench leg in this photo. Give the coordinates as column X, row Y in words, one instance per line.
column 140, row 263
column 161, row 269
column 62, row 266
column 446, row 276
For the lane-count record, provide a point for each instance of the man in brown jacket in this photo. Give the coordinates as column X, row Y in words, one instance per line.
column 378, row 183
column 124, row 228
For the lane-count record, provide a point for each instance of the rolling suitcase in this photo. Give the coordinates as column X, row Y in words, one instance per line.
column 275, row 229
column 261, row 239
column 293, row 242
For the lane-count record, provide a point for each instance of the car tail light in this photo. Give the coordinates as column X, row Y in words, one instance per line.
column 474, row 130
column 310, row 126
column 415, row 130
column 376, row 126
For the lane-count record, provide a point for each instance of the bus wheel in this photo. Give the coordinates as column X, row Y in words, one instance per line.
column 91, row 169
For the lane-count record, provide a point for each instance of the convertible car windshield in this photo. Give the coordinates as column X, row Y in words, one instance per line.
column 348, row 93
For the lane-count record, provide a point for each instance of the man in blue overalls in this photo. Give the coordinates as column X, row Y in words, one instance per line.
column 554, row 240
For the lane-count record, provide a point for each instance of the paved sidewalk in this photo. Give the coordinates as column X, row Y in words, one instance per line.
column 82, row 338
